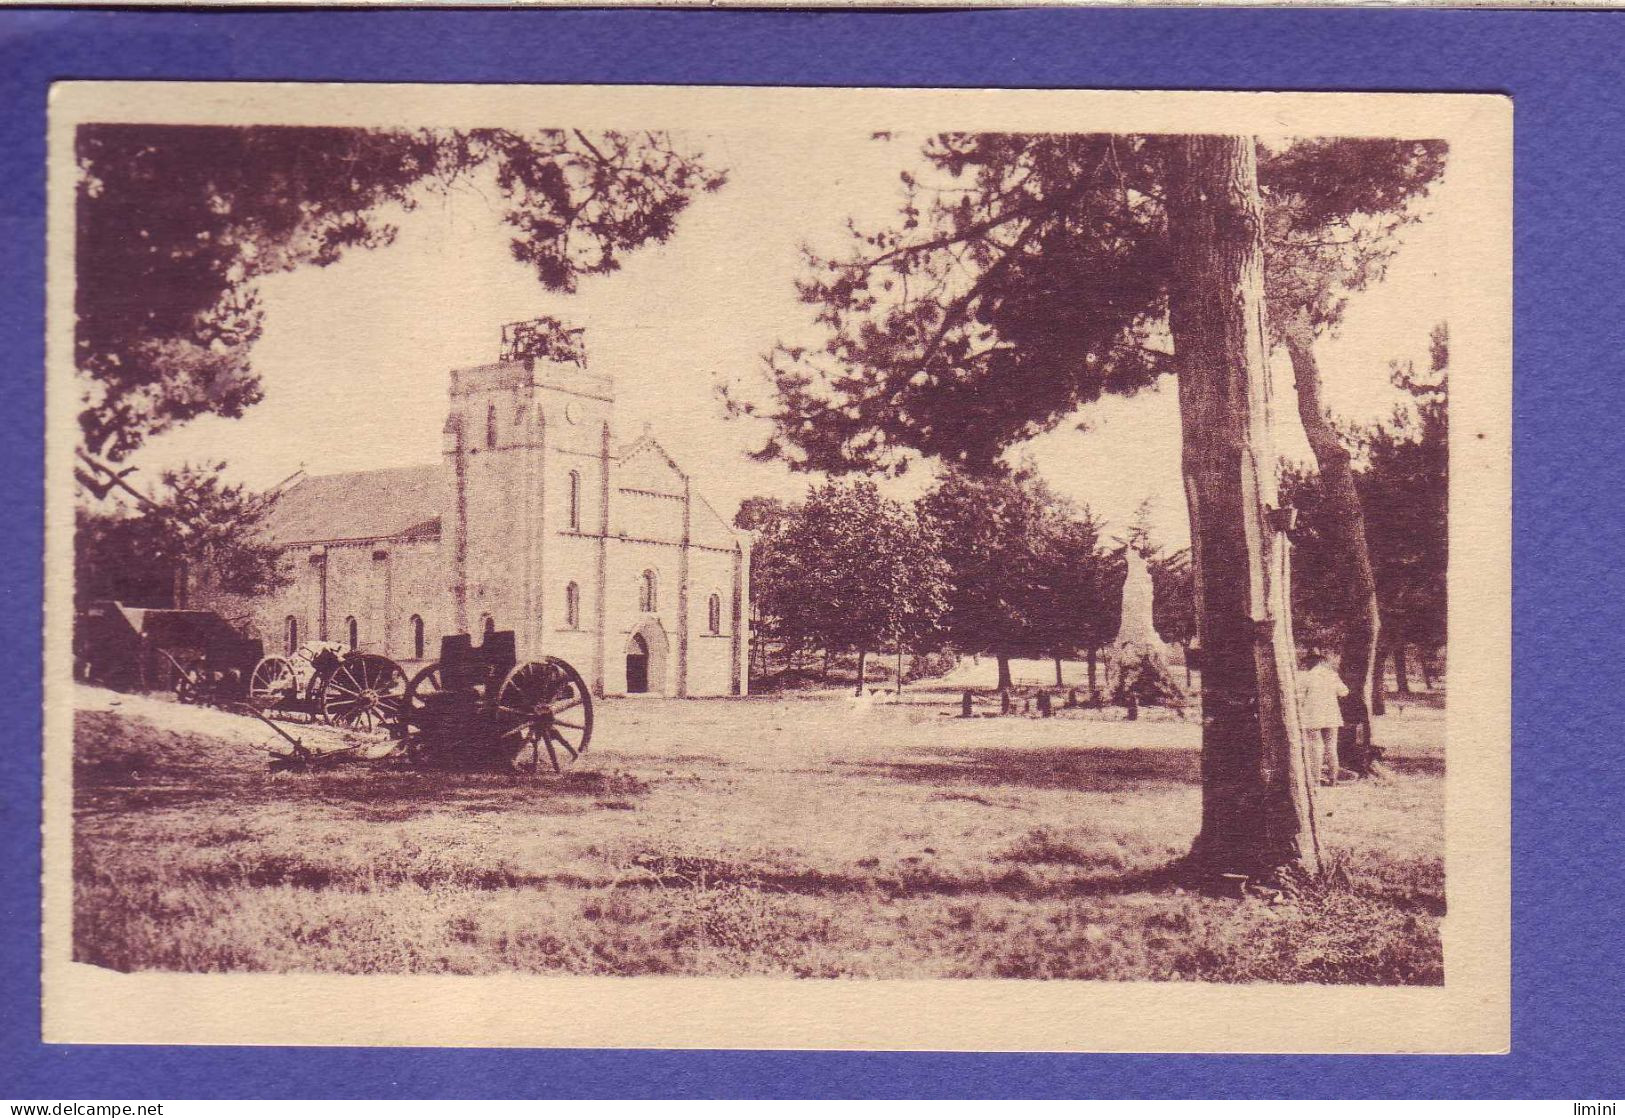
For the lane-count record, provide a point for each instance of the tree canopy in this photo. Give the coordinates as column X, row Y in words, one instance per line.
column 1026, row 274
column 845, row 570
column 1027, row 572
column 1402, row 477
column 177, row 222
column 194, row 522
column 1406, row 487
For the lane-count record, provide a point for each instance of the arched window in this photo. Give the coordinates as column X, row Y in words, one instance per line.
column 491, row 427
column 575, row 501
column 649, row 593
column 290, row 637
column 572, row 606
column 714, row 613
column 351, row 629
column 417, row 637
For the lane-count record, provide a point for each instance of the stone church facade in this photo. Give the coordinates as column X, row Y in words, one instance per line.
column 537, row 520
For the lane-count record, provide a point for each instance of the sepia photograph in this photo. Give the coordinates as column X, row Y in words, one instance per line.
column 950, row 555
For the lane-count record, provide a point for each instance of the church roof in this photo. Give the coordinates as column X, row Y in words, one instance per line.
column 371, row 504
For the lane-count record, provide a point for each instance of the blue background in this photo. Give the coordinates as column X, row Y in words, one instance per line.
column 1564, row 71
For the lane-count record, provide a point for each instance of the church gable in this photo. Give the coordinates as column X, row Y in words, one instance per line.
column 709, row 529
column 646, row 468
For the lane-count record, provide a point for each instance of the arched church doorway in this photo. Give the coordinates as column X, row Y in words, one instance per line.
column 646, row 660
column 637, row 666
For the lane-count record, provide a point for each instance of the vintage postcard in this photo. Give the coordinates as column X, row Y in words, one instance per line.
column 781, row 568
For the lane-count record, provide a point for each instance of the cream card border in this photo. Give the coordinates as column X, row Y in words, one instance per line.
column 1469, row 1013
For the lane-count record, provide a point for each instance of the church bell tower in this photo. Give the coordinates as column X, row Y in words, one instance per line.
column 513, row 430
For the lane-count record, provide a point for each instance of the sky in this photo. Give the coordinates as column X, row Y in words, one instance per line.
column 354, row 357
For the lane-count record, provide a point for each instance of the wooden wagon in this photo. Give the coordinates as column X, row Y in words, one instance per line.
column 194, row 653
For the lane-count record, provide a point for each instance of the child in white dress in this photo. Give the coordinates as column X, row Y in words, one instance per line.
column 1319, row 688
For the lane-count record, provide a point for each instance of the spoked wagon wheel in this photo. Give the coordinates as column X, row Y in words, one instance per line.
column 363, row 693
column 274, row 685
column 408, row 716
column 544, row 714
column 424, row 684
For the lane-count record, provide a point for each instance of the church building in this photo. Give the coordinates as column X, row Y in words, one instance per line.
column 537, row 519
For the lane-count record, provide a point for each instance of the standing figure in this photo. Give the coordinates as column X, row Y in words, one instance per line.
column 1319, row 688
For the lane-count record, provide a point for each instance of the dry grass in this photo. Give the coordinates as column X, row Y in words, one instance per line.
column 783, row 837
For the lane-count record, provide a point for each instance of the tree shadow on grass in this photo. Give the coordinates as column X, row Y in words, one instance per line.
column 380, row 795
column 131, row 765
column 1072, row 770
column 907, row 880
column 1418, row 764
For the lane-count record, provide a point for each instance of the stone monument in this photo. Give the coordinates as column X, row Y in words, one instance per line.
column 1134, row 626
column 1137, row 660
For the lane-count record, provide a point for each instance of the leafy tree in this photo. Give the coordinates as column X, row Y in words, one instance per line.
column 1406, row 487
column 1319, row 591
column 1027, row 573
column 1088, row 591
column 1258, row 808
column 778, row 617
column 177, row 223
column 1173, row 604
column 762, row 517
column 1335, row 207
column 909, row 584
column 1031, row 274
column 846, row 570
column 111, row 561
column 1401, row 475
column 1026, row 275
column 761, row 514
column 194, row 526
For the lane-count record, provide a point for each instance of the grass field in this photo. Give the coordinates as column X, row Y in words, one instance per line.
column 808, row 837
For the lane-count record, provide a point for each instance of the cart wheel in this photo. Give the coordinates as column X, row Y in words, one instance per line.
column 544, row 705
column 407, row 716
column 273, row 684
column 363, row 693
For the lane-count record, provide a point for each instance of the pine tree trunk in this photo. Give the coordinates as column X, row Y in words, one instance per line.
column 1358, row 616
column 863, row 657
column 1402, row 679
column 1094, row 689
column 1004, row 672
column 1257, row 789
column 1059, row 681
column 824, row 678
